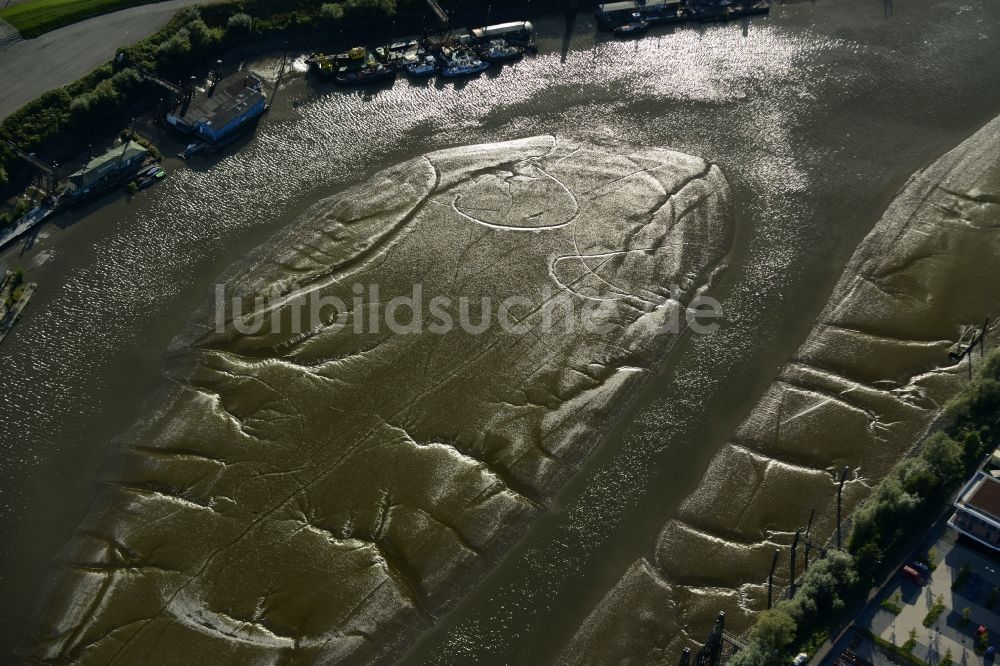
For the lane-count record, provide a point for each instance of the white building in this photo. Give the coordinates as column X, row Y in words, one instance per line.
column 977, row 510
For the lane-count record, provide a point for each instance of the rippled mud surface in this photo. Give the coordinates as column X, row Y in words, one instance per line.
column 858, row 393
column 816, row 115
column 317, row 494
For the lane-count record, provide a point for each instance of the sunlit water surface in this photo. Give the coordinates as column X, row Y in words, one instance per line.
column 816, row 115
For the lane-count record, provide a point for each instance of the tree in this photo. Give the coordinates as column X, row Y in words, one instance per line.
column 774, row 629
column 880, row 519
column 175, row 51
column 944, row 455
column 239, row 25
column 332, row 12
column 200, row 34
column 917, row 477
column 369, row 8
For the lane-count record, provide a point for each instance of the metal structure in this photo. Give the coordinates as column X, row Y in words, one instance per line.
column 770, row 578
column 805, row 563
column 710, row 653
column 840, row 503
column 442, row 16
column 718, row 649
column 791, row 564
column 49, row 170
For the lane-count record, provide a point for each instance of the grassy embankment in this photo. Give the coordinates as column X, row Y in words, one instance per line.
column 37, row 17
column 917, row 487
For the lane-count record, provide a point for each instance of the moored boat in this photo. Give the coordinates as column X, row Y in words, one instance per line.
column 463, row 65
column 366, row 75
column 636, row 26
column 326, row 65
column 151, row 176
column 498, row 51
column 422, row 68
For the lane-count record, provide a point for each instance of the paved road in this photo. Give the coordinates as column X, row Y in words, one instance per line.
column 30, row 67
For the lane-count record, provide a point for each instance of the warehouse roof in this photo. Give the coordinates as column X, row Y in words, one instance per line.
column 229, row 99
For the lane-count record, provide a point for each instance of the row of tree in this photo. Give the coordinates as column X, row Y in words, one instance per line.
column 895, row 507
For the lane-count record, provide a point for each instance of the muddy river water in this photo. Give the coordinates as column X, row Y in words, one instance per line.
column 816, row 115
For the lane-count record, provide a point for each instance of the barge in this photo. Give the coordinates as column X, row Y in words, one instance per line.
column 614, row 16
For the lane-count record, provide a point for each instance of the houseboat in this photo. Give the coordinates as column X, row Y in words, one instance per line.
column 228, row 106
column 116, row 166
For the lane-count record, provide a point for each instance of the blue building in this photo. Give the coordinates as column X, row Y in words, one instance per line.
column 222, row 110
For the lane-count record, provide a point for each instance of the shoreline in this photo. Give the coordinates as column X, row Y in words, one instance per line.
column 9, row 317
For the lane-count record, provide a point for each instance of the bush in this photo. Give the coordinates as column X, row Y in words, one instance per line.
column 367, row 9
column 935, row 612
column 911, row 642
column 882, row 516
column 174, row 51
column 332, row 12
column 239, row 25
column 944, row 455
column 892, row 606
column 200, row 35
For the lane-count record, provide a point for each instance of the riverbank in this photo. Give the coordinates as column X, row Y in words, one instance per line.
column 946, row 210
column 57, row 126
column 129, row 86
column 836, row 104
column 14, row 297
column 33, row 67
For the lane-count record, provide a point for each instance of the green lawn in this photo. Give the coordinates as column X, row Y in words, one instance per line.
column 35, row 17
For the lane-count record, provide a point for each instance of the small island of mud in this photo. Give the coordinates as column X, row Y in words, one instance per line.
column 318, row 488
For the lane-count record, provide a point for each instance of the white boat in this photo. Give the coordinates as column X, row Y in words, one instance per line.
column 463, row 65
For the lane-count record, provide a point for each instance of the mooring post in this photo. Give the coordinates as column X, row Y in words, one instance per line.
column 770, row 577
column 715, row 656
column 791, row 565
column 805, row 563
column 840, row 503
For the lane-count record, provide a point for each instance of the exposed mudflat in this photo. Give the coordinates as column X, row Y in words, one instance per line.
column 318, row 494
column 859, row 392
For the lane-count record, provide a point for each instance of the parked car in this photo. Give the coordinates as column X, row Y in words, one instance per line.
column 922, row 568
column 912, row 574
column 800, row 659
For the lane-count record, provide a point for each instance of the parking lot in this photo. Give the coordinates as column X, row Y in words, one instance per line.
column 973, row 603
